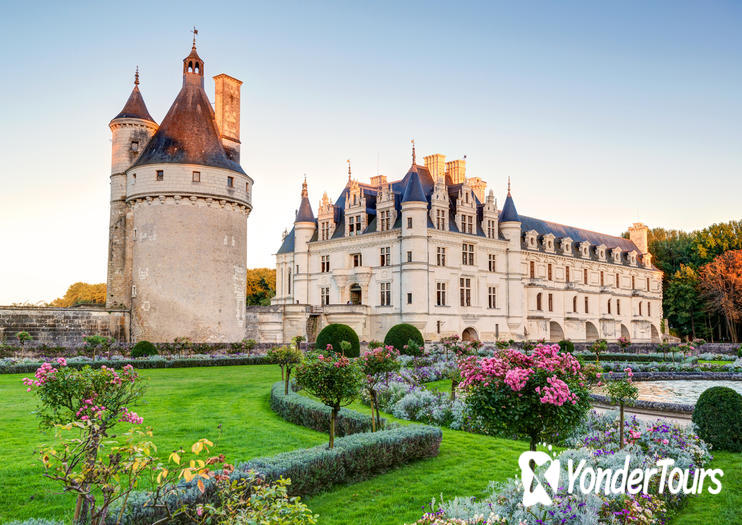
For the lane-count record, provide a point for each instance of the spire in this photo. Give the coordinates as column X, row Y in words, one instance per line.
column 193, row 66
column 413, row 152
column 135, row 106
column 348, row 171
column 305, row 213
column 509, row 213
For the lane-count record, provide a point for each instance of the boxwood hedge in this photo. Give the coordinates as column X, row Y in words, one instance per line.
column 309, row 413
column 333, row 334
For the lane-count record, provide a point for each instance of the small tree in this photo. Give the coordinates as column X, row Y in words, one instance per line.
column 93, row 401
column 538, row 396
column 23, row 337
column 621, row 391
column 286, row 357
column 333, row 379
column 297, row 340
column 376, row 365
column 598, row 347
column 98, row 342
column 664, row 347
column 624, row 342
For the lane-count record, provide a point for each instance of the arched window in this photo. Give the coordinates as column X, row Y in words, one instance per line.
column 574, row 304
column 640, row 308
column 190, row 67
column 538, row 302
column 587, row 305
column 609, row 306
column 649, row 308
column 533, row 270
column 197, row 68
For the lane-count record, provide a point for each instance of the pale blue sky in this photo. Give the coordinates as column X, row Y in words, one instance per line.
column 601, row 113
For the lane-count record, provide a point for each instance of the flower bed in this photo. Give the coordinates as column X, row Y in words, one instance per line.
column 595, row 441
column 309, row 413
column 649, row 405
column 23, row 366
column 618, row 366
column 637, row 358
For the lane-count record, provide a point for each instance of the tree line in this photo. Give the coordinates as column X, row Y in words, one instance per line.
column 702, row 280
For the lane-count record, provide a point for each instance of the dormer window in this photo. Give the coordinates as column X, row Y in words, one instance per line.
column 230, row 182
column 354, row 225
column 324, row 230
column 159, row 175
column 532, row 239
column 616, row 255
column 548, row 242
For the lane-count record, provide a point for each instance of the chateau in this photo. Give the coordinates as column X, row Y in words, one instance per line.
column 432, row 250
column 179, row 206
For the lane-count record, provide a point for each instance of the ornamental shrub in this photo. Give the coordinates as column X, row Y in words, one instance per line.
column 143, row 349
column 539, row 396
column 376, row 366
column 287, row 357
column 333, row 334
column 400, row 335
column 717, row 416
column 567, row 346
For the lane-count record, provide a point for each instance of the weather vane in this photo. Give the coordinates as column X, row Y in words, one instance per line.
column 195, row 32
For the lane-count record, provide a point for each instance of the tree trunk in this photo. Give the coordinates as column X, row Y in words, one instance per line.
column 286, row 383
column 454, row 384
column 333, row 417
column 532, row 463
column 282, row 374
column 373, row 414
column 620, row 428
column 378, row 415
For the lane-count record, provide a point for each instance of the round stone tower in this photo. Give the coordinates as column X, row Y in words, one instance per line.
column 189, row 199
column 131, row 130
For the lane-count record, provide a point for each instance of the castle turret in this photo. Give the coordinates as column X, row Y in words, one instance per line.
column 131, row 130
column 189, row 201
column 510, row 227
column 304, row 226
column 414, row 273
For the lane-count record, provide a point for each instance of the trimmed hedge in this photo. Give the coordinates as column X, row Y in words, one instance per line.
column 637, row 358
column 142, row 363
column 36, row 521
column 717, row 416
column 567, row 346
column 333, row 334
column 309, row 413
column 400, row 334
column 354, row 458
column 143, row 349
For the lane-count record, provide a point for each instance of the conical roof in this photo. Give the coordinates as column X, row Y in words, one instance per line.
column 188, row 134
column 135, row 106
column 413, row 192
column 509, row 213
column 305, row 213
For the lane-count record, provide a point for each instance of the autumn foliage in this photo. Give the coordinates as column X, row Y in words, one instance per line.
column 720, row 281
column 82, row 293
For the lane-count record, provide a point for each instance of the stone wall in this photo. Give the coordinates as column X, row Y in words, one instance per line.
column 62, row 326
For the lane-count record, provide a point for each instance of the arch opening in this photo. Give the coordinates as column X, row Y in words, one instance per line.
column 469, row 334
column 591, row 332
column 556, row 333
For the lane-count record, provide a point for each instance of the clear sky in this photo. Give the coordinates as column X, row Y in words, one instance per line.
column 601, row 113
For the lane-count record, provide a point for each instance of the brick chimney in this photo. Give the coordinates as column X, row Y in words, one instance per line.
column 638, row 235
column 227, row 110
column 456, row 169
column 436, row 165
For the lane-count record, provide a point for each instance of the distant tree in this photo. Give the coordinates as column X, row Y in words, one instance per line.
column 260, row 286
column 717, row 239
column 82, row 293
column 721, row 284
column 684, row 304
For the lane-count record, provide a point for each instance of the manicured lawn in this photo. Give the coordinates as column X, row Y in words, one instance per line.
column 725, row 507
column 183, row 405
column 708, row 362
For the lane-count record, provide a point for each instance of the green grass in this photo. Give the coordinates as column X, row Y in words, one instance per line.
column 183, row 405
column 709, row 362
column 725, row 507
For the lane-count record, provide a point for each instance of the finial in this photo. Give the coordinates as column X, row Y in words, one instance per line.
column 136, row 77
column 304, row 191
column 509, row 187
column 348, row 170
column 413, row 151
column 195, row 32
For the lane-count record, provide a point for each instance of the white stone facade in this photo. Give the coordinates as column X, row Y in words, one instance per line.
column 500, row 281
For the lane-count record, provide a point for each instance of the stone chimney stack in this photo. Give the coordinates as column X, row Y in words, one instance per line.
column 456, row 169
column 436, row 165
column 227, row 110
column 638, row 235
column 479, row 187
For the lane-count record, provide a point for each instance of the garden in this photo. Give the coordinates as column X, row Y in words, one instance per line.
column 403, row 432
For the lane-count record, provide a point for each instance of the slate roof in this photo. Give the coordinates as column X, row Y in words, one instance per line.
column 577, row 235
column 188, row 133
column 305, row 213
column 509, row 213
column 287, row 246
column 135, row 107
column 413, row 191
